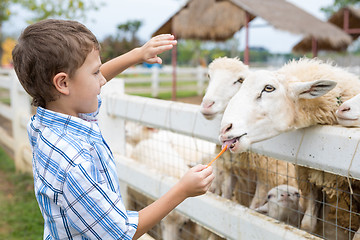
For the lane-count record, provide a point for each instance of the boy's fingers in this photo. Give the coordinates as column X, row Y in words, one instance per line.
column 199, row 167
column 164, row 36
column 161, row 42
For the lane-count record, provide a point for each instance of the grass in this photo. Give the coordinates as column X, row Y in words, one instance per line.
column 167, row 95
column 4, row 96
column 20, row 216
column 161, row 84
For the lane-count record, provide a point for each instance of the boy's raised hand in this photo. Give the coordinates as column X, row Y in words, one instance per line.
column 155, row 46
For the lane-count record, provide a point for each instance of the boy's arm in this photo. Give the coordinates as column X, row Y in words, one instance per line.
column 146, row 53
column 196, row 182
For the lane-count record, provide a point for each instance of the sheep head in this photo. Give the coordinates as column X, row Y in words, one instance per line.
column 225, row 78
column 348, row 113
column 266, row 105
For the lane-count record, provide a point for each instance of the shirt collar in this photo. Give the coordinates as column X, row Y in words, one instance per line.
column 76, row 125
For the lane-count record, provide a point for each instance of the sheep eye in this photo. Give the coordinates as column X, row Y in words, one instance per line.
column 240, row 80
column 297, row 194
column 269, row 196
column 208, row 76
column 269, row 88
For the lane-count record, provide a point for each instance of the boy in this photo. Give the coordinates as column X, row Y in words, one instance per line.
column 75, row 180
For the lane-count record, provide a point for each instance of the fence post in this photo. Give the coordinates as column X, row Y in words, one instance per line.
column 155, row 81
column 200, row 72
column 112, row 127
column 20, row 104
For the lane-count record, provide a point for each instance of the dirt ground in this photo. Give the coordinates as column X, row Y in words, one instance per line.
column 192, row 100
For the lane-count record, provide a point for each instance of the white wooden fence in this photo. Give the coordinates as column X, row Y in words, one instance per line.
column 329, row 148
column 18, row 113
column 155, row 75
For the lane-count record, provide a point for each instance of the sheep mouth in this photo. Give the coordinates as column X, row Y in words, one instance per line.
column 208, row 116
column 347, row 118
column 232, row 143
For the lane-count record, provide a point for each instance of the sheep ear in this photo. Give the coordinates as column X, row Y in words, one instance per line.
column 314, row 89
column 263, row 209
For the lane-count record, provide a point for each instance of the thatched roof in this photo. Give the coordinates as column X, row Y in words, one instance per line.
column 219, row 20
column 338, row 20
column 205, row 20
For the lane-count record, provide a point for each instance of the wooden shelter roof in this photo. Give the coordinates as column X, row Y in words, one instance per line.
column 336, row 19
column 221, row 19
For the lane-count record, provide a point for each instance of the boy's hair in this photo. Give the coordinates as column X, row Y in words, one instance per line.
column 47, row 48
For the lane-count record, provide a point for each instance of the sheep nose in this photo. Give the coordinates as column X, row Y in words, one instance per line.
column 285, row 194
column 344, row 108
column 226, row 128
column 207, row 103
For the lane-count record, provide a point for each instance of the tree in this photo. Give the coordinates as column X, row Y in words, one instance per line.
column 124, row 40
column 338, row 4
column 42, row 9
column 130, row 27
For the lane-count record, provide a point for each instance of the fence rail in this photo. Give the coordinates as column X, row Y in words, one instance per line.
column 156, row 75
column 328, row 148
column 18, row 113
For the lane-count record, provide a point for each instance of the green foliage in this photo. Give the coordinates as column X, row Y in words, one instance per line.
column 42, row 9
column 70, row 9
column 4, row 10
column 168, row 95
column 195, row 52
column 338, row 4
column 130, row 27
column 19, row 211
column 124, row 40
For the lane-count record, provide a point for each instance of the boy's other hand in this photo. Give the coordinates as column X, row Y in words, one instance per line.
column 155, row 46
column 197, row 180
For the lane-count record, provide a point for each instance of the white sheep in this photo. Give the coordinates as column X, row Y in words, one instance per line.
column 283, row 204
column 160, row 157
column 348, row 114
column 191, row 149
column 301, row 94
column 236, row 175
column 225, row 78
column 135, row 132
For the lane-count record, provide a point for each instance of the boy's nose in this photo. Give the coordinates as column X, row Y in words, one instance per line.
column 102, row 80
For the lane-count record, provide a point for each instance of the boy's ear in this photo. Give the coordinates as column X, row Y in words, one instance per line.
column 61, row 83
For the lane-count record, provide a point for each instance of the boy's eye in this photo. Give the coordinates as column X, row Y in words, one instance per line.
column 97, row 72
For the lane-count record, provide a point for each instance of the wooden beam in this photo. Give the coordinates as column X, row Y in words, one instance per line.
column 174, row 63
column 246, row 52
column 314, row 47
column 346, row 24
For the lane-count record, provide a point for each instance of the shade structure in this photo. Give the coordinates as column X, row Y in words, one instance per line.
column 220, row 20
column 348, row 19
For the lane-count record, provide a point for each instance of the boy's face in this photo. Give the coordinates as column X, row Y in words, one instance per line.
column 85, row 85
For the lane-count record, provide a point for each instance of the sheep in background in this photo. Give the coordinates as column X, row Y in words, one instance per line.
column 239, row 171
column 135, row 132
column 283, row 204
column 348, row 114
column 162, row 158
column 191, row 149
column 301, row 94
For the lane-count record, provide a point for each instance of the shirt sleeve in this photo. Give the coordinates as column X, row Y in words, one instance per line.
column 93, row 209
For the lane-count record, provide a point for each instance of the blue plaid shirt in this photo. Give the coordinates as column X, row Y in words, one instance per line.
column 75, row 179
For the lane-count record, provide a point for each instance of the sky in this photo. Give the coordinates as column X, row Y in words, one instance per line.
column 153, row 13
